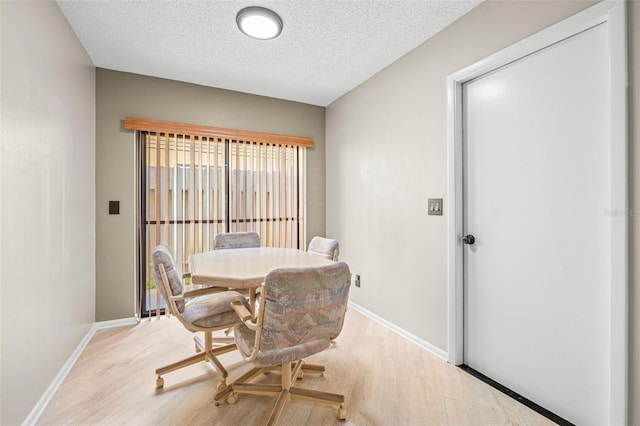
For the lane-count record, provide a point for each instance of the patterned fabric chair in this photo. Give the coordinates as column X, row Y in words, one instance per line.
column 205, row 309
column 301, row 309
column 233, row 240
column 325, row 247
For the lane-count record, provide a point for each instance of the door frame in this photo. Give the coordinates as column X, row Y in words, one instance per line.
column 613, row 13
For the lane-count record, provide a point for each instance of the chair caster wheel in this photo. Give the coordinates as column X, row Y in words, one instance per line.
column 342, row 413
column 159, row 383
column 231, row 399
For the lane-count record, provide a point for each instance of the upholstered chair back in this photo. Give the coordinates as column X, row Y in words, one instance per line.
column 303, row 309
column 325, row 247
column 163, row 255
column 233, row 240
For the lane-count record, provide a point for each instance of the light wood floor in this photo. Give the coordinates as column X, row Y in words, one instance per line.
column 386, row 380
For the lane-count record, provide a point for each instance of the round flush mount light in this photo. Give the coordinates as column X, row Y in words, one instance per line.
column 258, row 22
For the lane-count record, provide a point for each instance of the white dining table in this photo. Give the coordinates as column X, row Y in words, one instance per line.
column 246, row 268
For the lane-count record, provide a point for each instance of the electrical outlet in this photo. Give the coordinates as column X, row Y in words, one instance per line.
column 357, row 280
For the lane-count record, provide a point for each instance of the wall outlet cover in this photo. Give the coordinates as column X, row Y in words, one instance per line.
column 114, row 207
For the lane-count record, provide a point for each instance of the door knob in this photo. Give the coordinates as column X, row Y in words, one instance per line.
column 469, row 239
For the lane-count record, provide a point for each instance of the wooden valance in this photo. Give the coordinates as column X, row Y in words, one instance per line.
column 170, row 127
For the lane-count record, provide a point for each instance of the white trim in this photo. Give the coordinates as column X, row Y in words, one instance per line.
column 454, row 223
column 40, row 406
column 619, row 331
column 401, row 332
column 612, row 12
column 304, row 180
column 564, row 29
column 103, row 325
column 136, row 223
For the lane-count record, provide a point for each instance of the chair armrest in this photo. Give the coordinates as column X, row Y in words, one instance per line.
column 176, row 298
column 245, row 316
column 258, row 295
column 202, row 291
column 241, row 310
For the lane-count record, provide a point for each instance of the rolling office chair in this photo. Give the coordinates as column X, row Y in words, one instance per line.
column 301, row 310
column 325, row 247
column 206, row 310
column 232, row 240
column 236, row 240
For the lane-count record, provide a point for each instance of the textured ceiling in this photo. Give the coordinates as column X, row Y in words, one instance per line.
column 326, row 47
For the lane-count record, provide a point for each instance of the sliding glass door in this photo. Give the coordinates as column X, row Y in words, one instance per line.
column 193, row 187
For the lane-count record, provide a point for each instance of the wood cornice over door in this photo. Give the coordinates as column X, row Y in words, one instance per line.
column 186, row 129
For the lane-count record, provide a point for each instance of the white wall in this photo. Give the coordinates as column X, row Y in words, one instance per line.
column 47, row 195
column 386, row 155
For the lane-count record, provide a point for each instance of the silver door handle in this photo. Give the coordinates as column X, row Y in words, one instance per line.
column 469, row 239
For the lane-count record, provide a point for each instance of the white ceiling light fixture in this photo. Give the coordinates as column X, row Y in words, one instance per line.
column 258, row 22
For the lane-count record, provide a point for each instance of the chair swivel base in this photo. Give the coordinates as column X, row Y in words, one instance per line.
column 284, row 392
column 225, row 390
column 201, row 355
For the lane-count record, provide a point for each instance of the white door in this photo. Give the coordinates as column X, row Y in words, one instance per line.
column 536, row 191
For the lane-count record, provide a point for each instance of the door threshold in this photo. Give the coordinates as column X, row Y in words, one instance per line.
column 521, row 399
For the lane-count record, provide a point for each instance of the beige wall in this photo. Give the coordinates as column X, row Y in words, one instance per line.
column 386, row 155
column 122, row 94
column 47, row 195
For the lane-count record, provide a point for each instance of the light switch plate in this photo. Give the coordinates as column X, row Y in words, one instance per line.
column 435, row 206
column 114, row 207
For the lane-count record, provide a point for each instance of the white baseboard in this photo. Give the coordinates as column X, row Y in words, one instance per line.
column 37, row 411
column 403, row 333
column 114, row 323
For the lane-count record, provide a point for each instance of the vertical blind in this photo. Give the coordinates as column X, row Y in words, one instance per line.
column 192, row 187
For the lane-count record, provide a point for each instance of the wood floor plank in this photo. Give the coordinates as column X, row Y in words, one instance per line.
column 386, row 380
